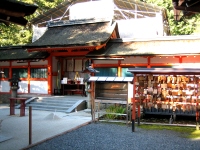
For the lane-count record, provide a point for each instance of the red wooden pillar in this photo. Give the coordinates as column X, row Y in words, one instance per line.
column 10, row 72
column 29, row 76
column 197, row 116
column 138, row 112
column 49, row 77
column 133, row 103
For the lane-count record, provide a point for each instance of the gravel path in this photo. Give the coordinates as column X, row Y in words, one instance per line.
column 104, row 136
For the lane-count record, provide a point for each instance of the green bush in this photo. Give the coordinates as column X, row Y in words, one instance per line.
column 113, row 110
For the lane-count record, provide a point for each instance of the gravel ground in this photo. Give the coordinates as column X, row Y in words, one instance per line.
column 106, row 136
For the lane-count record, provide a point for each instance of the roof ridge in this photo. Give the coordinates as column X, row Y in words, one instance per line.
column 77, row 21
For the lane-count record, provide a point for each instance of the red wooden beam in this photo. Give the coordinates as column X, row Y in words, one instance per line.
column 78, row 53
column 71, row 48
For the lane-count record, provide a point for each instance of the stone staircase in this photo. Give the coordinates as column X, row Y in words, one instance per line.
column 57, row 104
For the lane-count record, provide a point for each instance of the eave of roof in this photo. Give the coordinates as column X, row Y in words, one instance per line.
column 88, row 34
column 179, row 45
column 165, row 71
column 19, row 53
column 14, row 11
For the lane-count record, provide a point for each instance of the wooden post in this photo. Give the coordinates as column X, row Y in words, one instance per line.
column 22, row 108
column 30, row 125
column 12, row 106
column 133, row 104
column 92, row 101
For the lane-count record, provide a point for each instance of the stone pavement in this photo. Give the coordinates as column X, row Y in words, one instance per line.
column 14, row 134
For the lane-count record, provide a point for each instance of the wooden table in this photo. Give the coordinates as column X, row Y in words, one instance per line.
column 72, row 88
column 22, row 108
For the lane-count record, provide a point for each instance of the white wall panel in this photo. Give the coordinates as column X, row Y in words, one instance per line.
column 4, row 86
column 23, row 87
column 105, row 61
column 6, row 63
column 164, row 59
column 39, row 87
column 134, row 60
column 14, row 63
column 41, row 62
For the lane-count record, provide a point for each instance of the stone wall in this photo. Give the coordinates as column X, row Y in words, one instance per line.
column 4, row 98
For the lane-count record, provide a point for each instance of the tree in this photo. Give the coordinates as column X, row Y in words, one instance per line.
column 19, row 35
column 186, row 26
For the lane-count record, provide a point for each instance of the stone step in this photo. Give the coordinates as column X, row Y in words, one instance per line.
column 48, row 106
column 56, row 101
column 51, row 104
column 48, row 109
column 62, row 104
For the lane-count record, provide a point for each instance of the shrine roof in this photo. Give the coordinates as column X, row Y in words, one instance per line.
column 75, row 33
column 169, row 45
column 19, row 53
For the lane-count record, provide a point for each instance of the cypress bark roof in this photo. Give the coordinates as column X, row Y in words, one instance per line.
column 19, row 53
column 180, row 45
column 88, row 34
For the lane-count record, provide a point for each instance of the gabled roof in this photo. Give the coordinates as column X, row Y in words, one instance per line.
column 74, row 34
column 169, row 45
column 19, row 53
column 12, row 11
column 123, row 9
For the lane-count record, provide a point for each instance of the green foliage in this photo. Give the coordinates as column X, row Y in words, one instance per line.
column 45, row 5
column 113, row 110
column 187, row 132
column 186, row 26
column 19, row 35
column 14, row 35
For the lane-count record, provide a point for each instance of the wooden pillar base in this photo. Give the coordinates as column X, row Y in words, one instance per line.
column 138, row 121
column 133, row 125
